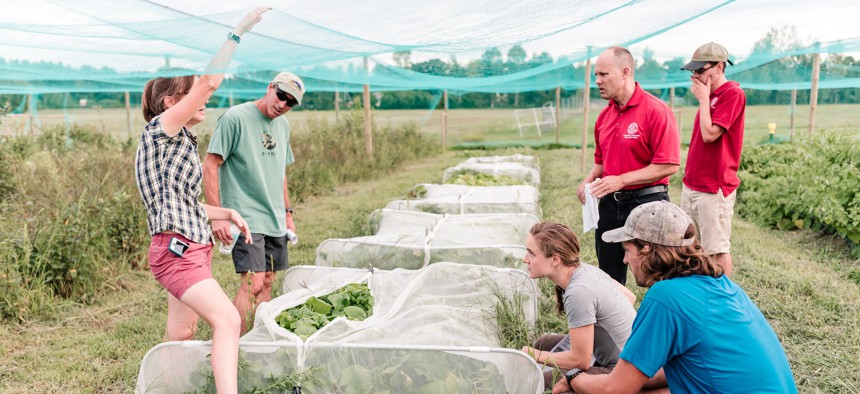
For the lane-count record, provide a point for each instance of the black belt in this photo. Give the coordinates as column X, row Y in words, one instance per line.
column 625, row 195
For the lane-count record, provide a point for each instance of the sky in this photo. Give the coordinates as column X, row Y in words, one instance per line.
column 737, row 25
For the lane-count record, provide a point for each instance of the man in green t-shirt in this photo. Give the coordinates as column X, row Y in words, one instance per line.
column 245, row 169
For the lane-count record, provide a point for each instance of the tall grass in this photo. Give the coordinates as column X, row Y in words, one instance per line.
column 71, row 216
column 70, row 219
column 331, row 154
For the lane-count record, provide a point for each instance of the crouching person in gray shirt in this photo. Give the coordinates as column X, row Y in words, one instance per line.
column 599, row 310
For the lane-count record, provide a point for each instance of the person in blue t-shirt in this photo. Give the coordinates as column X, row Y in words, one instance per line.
column 695, row 323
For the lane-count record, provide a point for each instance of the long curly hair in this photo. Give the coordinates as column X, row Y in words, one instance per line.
column 557, row 239
column 660, row 262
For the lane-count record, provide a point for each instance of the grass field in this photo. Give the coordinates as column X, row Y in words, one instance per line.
column 799, row 280
column 479, row 125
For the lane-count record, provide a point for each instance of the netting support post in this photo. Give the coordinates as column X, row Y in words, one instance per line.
column 368, row 133
column 672, row 107
column 230, row 99
column 793, row 110
column 128, row 113
column 445, row 120
column 336, row 106
column 557, row 114
column 31, row 127
column 672, row 98
column 586, row 93
column 813, row 93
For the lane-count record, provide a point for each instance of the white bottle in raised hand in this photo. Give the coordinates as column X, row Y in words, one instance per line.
column 228, row 248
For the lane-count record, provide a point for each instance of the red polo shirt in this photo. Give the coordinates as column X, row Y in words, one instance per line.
column 713, row 166
column 631, row 137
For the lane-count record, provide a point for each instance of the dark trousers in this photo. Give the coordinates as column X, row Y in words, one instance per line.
column 613, row 214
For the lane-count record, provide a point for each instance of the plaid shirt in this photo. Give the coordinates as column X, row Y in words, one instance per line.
column 168, row 175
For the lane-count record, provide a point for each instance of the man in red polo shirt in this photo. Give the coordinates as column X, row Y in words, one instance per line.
column 637, row 148
column 711, row 175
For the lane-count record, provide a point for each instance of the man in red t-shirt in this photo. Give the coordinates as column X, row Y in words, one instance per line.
column 637, row 148
column 711, row 175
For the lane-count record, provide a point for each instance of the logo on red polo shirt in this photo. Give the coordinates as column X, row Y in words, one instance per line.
column 632, row 131
column 714, row 102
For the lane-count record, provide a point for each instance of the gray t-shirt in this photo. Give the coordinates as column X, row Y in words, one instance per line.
column 592, row 297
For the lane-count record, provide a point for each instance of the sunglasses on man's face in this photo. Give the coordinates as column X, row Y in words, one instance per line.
column 703, row 68
column 284, row 96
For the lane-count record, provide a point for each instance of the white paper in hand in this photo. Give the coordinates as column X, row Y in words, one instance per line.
column 589, row 211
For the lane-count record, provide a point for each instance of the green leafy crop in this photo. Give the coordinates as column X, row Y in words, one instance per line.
column 352, row 301
column 474, row 178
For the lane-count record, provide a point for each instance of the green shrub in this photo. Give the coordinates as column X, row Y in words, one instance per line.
column 814, row 184
column 74, row 216
column 330, row 155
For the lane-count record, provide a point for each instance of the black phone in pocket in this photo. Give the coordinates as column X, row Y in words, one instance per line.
column 177, row 246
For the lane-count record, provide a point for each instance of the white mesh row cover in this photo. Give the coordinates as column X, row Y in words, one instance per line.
column 470, row 291
column 525, row 160
column 444, row 304
column 462, row 199
column 410, row 239
column 184, row 367
column 526, row 171
column 432, row 330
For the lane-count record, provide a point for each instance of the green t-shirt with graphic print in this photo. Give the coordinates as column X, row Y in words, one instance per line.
column 256, row 152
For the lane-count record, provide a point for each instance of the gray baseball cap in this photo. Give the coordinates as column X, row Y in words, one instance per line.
column 659, row 222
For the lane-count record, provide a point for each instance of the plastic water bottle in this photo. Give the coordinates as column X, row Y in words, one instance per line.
column 294, row 239
column 228, row 248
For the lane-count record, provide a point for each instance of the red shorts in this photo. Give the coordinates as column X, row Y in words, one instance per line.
column 178, row 274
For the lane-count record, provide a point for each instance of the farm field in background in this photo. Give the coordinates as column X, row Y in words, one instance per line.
column 469, row 125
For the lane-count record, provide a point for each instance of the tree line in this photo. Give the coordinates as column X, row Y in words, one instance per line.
column 494, row 63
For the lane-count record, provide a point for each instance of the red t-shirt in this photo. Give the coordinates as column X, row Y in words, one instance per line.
column 632, row 137
column 714, row 166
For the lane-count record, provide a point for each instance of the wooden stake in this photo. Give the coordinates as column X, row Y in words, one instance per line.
column 586, row 103
column 445, row 120
column 336, row 106
column 128, row 113
column 557, row 116
column 813, row 93
column 793, row 110
column 30, row 126
column 368, row 133
column 672, row 98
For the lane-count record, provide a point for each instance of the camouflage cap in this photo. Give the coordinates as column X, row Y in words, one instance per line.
column 659, row 222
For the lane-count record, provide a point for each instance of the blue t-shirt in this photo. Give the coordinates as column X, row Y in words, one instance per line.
column 709, row 337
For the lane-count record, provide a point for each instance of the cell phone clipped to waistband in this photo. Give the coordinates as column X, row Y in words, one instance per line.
column 177, row 246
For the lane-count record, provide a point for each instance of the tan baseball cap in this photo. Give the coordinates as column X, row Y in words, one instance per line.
column 291, row 84
column 659, row 222
column 708, row 53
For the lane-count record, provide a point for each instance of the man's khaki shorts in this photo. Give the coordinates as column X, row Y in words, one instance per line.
column 712, row 213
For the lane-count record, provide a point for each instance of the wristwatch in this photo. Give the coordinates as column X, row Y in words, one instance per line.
column 290, row 211
column 234, row 37
column 572, row 374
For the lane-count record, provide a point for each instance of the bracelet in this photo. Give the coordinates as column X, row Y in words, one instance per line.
column 571, row 376
column 290, row 211
column 233, row 37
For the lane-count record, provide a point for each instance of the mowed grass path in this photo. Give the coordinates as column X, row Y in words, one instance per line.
column 798, row 280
